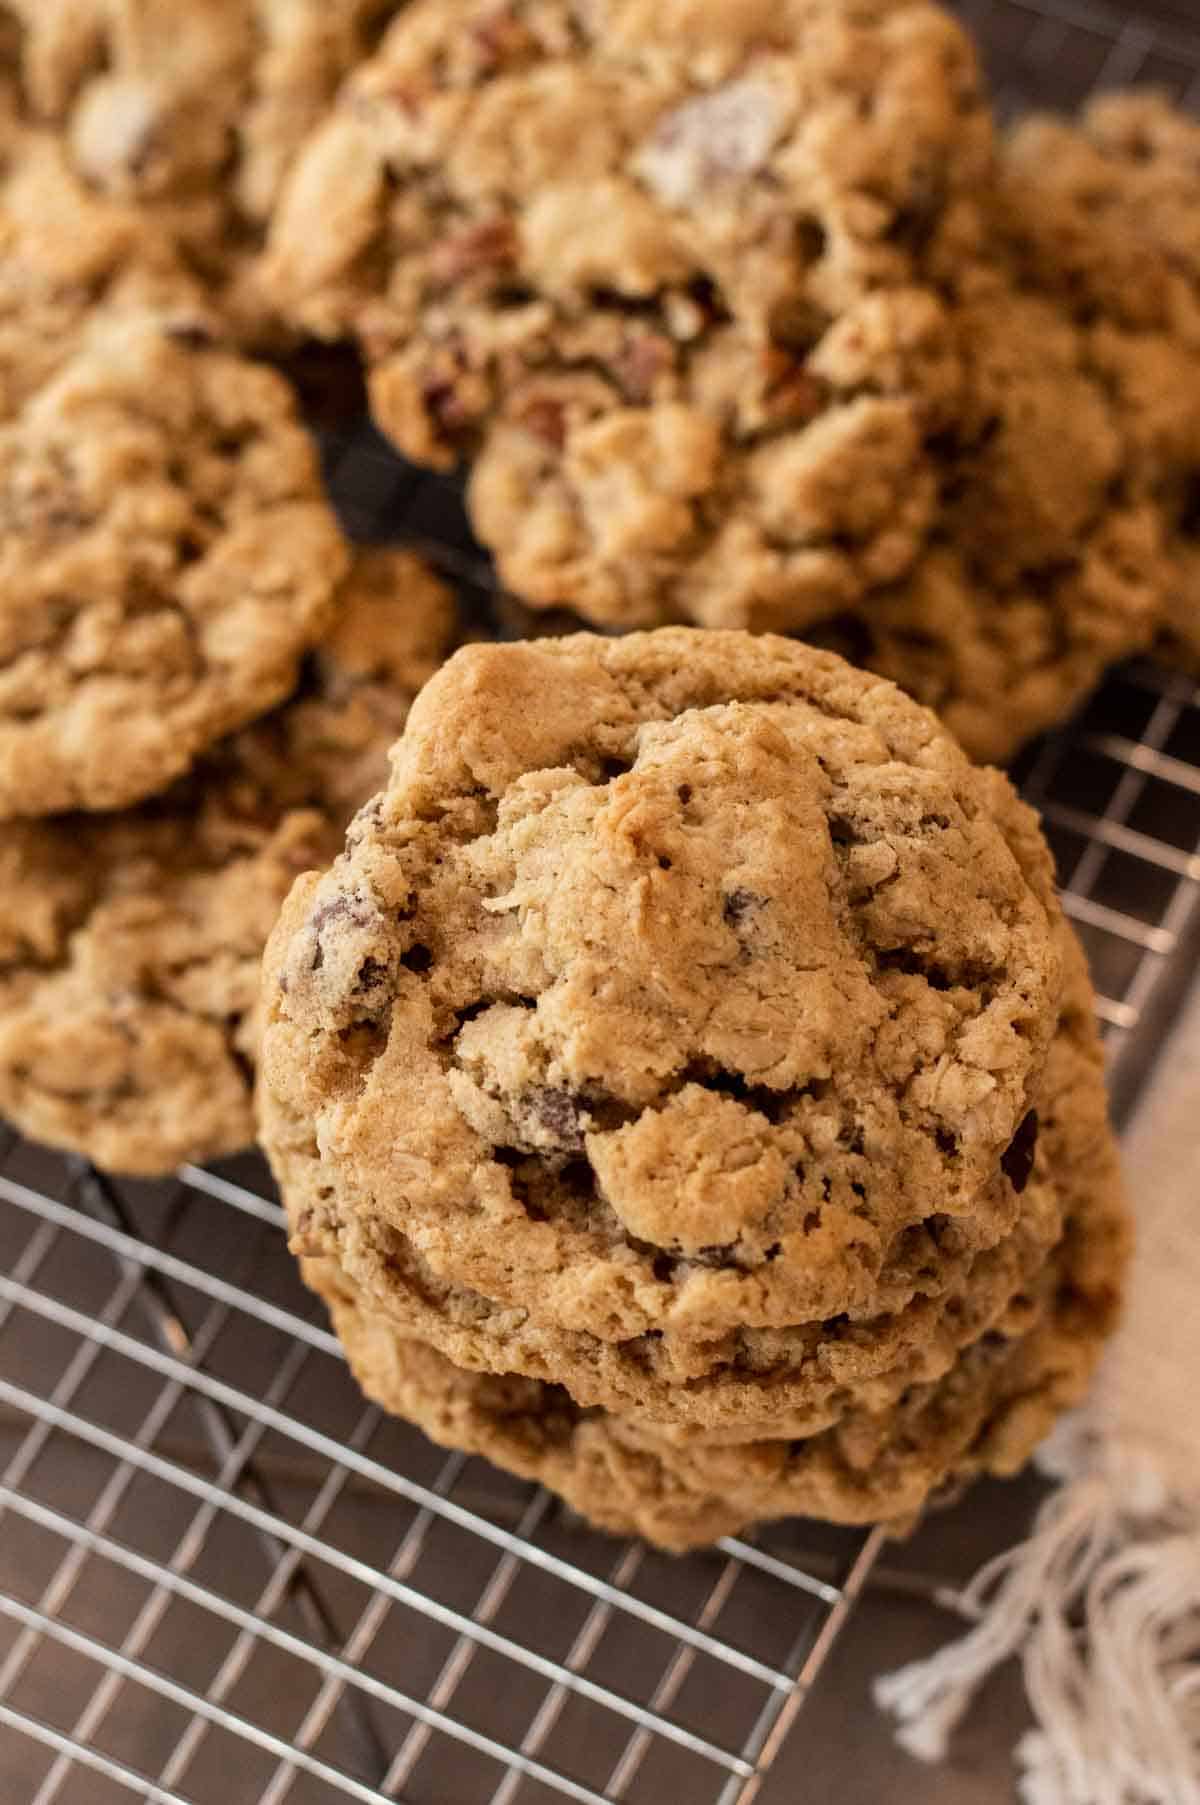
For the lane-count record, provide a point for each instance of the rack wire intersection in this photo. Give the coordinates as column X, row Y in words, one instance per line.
column 225, row 1580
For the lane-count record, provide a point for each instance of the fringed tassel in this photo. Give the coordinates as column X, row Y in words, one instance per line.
column 1102, row 1605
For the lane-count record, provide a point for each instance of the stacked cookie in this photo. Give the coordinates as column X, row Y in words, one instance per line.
column 683, row 1088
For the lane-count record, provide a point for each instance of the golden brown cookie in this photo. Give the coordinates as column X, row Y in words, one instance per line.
column 66, row 253
column 1002, row 661
column 984, row 1416
column 671, row 981
column 1104, row 215
column 1113, row 231
column 168, row 557
column 661, row 267
column 190, row 112
column 934, row 1299
column 1054, row 549
column 130, row 943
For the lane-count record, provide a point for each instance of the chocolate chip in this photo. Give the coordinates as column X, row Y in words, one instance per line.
column 418, row 958
column 371, row 974
column 559, row 1114
column 718, row 1256
column 811, row 238
column 340, row 908
column 740, row 903
column 1017, row 1161
column 194, row 335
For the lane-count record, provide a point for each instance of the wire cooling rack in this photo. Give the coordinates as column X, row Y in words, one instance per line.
column 225, row 1580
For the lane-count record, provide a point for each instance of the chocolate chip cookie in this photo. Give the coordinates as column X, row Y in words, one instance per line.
column 168, row 556
column 671, row 982
column 66, row 253
column 1114, row 236
column 130, row 943
column 661, row 270
column 192, row 113
column 985, row 1415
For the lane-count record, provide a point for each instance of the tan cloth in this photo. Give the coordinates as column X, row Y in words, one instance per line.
column 1102, row 1602
column 1149, row 1386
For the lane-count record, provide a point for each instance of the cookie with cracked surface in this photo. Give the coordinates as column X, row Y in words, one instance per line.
column 1113, row 230
column 65, row 254
column 661, row 267
column 1052, row 554
column 934, row 1299
column 1104, row 214
column 1001, row 662
column 130, row 943
column 670, row 982
column 191, row 114
column 985, row 1415
column 168, row 557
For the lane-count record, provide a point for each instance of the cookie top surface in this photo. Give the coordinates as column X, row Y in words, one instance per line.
column 65, row 254
column 1001, row 661
column 985, row 1414
column 167, row 559
column 1062, row 480
column 1112, row 228
column 946, row 1283
column 671, row 979
column 192, row 114
column 130, row 943
column 613, row 247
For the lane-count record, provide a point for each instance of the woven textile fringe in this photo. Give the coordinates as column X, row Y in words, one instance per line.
column 1101, row 1604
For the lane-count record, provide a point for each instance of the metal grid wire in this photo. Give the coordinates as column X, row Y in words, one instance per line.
column 225, row 1579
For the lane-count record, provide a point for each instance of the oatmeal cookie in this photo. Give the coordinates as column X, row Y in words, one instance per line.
column 65, row 255
column 985, row 1415
column 191, row 113
column 660, row 267
column 1113, row 231
column 1001, row 662
column 746, row 1384
column 1104, row 215
column 671, row 981
column 1053, row 550
column 130, row 943
column 167, row 558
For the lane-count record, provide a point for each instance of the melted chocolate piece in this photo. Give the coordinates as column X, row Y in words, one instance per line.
column 1017, row 1161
